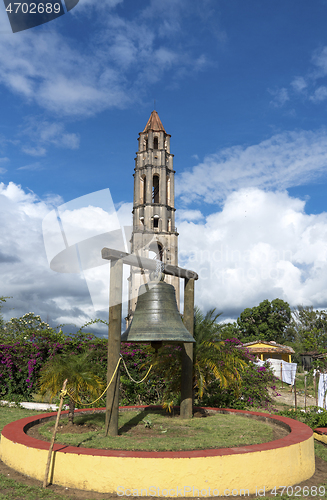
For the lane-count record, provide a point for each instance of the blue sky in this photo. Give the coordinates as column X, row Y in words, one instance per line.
column 242, row 89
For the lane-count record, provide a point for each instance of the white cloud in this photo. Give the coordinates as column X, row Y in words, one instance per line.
column 308, row 86
column 2, row 169
column 45, row 133
column 319, row 60
column 299, row 84
column 320, row 94
column 284, row 160
column 32, row 166
column 25, row 273
column 47, row 68
column 38, row 151
column 190, row 215
column 68, row 77
column 104, row 4
column 280, row 97
column 261, row 245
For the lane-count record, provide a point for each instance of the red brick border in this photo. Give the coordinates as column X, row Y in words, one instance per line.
column 321, row 430
column 299, row 432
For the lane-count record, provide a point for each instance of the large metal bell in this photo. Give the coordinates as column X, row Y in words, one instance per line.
column 156, row 318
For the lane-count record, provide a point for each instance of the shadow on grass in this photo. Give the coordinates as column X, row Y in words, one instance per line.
column 99, row 419
column 134, row 421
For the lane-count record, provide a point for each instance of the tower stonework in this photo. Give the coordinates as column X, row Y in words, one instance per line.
column 154, row 233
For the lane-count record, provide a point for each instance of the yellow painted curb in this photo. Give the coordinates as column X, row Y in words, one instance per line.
column 205, row 473
column 320, row 437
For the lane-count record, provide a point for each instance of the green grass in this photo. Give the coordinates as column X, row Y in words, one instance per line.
column 321, row 451
column 157, row 431
column 10, row 414
column 13, row 490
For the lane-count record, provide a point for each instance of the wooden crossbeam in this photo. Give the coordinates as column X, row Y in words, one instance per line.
column 149, row 264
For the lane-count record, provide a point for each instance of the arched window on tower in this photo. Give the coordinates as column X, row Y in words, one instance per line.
column 156, row 251
column 155, row 143
column 168, row 190
column 155, row 189
column 156, row 222
column 160, row 252
column 142, row 189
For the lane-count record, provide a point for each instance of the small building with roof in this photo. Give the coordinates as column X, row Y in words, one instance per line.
column 264, row 349
column 307, row 358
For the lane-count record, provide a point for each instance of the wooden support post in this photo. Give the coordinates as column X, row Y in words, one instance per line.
column 316, row 387
column 295, row 400
column 186, row 410
column 281, row 374
column 305, row 393
column 114, row 334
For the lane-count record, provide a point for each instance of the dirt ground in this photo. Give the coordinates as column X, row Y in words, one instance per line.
column 286, row 397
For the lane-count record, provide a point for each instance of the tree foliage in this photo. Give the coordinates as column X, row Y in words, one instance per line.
column 267, row 321
column 252, row 392
column 309, row 328
column 82, row 379
column 2, row 301
column 28, row 343
column 229, row 331
column 29, row 327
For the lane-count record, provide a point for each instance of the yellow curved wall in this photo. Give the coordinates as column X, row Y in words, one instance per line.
column 249, row 471
column 320, row 437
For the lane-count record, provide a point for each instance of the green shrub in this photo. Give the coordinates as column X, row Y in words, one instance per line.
column 252, row 393
column 314, row 416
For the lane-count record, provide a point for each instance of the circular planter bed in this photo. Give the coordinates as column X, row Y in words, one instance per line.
column 212, row 472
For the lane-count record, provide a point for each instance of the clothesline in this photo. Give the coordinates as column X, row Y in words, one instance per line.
column 282, row 369
column 287, row 372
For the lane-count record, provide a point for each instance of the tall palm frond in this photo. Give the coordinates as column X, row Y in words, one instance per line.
column 82, row 379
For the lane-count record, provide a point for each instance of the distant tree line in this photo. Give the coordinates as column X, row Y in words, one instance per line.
column 303, row 328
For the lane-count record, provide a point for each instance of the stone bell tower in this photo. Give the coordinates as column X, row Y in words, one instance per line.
column 154, row 233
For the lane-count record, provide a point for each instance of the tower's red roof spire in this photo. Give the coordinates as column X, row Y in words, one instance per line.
column 154, row 123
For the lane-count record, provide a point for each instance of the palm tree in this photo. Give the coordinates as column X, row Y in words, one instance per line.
column 213, row 359
column 81, row 379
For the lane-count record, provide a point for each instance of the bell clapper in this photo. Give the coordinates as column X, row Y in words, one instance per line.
column 156, row 344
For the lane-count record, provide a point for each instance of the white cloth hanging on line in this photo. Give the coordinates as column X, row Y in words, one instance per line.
column 322, row 388
column 288, row 370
